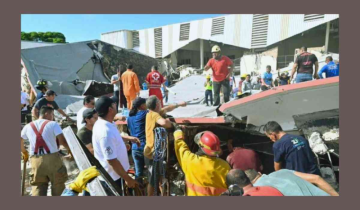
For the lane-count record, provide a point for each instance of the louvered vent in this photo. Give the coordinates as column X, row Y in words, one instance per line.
column 158, row 42
column 259, row 30
column 184, row 31
column 312, row 17
column 135, row 39
column 217, row 26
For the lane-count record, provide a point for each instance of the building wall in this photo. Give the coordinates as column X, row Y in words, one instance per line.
column 237, row 32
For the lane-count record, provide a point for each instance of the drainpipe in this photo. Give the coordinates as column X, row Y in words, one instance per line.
column 327, row 37
column 201, row 54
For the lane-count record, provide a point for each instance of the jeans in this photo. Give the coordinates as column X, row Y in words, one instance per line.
column 116, row 99
column 302, row 77
column 225, row 86
column 207, row 94
column 139, row 162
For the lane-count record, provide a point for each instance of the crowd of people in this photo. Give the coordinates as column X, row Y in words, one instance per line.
column 296, row 172
column 224, row 81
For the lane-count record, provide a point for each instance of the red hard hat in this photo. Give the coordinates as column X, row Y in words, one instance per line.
column 208, row 142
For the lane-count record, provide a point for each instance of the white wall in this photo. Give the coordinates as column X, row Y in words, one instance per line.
column 280, row 27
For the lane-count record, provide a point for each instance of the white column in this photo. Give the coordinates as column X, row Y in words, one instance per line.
column 201, row 53
column 327, row 37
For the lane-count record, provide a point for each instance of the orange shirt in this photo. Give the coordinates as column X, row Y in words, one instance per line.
column 130, row 83
column 220, row 68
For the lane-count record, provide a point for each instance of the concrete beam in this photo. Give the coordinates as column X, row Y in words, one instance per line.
column 327, row 37
column 201, row 53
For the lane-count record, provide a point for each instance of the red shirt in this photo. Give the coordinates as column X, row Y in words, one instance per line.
column 155, row 79
column 263, row 191
column 244, row 159
column 220, row 68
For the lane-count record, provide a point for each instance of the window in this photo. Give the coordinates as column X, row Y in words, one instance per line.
column 312, row 17
column 217, row 26
column 135, row 39
column 184, row 31
column 259, row 30
column 158, row 42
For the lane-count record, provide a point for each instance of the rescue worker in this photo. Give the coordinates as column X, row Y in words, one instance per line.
column 205, row 173
column 284, row 78
column 330, row 69
column 222, row 68
column 131, row 85
column 292, row 183
column 155, row 80
column 118, row 97
column 90, row 116
column 42, row 86
column 239, row 178
column 45, row 159
column 48, row 100
column 242, row 79
column 208, row 90
column 242, row 158
column 290, row 151
column 155, row 117
column 303, row 65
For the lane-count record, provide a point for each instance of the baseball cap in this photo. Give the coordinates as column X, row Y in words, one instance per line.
column 88, row 113
column 102, row 104
column 50, row 93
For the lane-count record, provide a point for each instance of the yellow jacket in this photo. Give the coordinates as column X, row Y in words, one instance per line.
column 204, row 175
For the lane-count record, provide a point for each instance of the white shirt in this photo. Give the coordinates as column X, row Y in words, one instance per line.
column 109, row 145
column 79, row 118
column 51, row 130
column 24, row 100
column 116, row 85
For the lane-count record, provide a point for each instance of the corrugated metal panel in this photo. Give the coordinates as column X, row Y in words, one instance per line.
column 158, row 42
column 274, row 29
column 284, row 27
column 237, row 29
column 246, row 28
column 218, row 25
column 184, row 31
column 313, row 17
column 135, row 39
column 259, row 30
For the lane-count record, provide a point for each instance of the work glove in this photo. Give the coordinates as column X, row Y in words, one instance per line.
column 83, row 178
column 25, row 156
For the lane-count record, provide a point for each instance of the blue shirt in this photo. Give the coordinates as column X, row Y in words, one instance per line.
column 39, row 96
column 267, row 78
column 295, row 152
column 166, row 83
column 145, row 87
column 136, row 125
column 330, row 69
column 289, row 184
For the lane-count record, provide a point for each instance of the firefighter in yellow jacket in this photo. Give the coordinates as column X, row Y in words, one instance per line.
column 205, row 173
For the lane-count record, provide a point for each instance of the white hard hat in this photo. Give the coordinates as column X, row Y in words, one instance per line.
column 215, row 49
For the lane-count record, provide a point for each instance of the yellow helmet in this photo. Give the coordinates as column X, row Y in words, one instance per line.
column 243, row 75
column 208, row 76
column 215, row 49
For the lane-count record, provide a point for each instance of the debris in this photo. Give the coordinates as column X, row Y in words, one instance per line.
column 332, row 135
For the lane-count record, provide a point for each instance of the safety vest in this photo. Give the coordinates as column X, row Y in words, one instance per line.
column 208, row 85
column 204, row 175
column 40, row 144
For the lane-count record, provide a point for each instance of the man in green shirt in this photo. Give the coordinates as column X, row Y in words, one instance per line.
column 85, row 133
